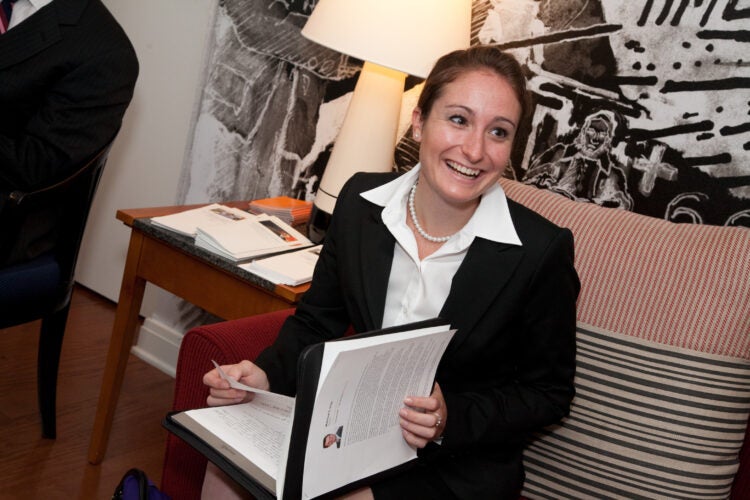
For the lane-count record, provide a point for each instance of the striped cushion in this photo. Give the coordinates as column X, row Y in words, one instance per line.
column 648, row 420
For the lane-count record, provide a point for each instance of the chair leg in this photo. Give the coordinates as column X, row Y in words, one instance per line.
column 50, row 345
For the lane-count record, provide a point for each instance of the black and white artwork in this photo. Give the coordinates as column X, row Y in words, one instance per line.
column 640, row 105
column 271, row 105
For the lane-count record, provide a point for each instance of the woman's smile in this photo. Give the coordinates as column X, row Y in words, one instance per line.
column 466, row 171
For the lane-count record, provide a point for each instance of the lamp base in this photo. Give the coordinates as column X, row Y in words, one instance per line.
column 318, row 224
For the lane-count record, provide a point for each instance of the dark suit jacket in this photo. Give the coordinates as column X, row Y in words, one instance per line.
column 509, row 369
column 67, row 75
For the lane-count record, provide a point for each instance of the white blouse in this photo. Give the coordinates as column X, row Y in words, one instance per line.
column 417, row 289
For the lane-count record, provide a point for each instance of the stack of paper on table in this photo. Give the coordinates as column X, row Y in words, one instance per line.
column 187, row 222
column 253, row 236
column 290, row 210
column 292, row 268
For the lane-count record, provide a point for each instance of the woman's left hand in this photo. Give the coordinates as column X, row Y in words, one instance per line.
column 423, row 419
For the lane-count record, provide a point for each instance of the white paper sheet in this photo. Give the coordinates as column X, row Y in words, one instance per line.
column 362, row 394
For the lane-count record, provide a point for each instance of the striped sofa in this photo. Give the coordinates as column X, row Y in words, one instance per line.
column 663, row 360
column 663, row 363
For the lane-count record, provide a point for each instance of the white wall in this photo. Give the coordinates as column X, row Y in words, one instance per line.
column 169, row 37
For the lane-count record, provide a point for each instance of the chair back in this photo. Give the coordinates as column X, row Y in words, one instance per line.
column 51, row 221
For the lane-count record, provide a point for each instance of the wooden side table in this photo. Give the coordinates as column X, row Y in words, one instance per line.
column 172, row 262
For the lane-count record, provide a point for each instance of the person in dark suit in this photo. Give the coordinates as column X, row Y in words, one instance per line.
column 333, row 438
column 443, row 240
column 67, row 74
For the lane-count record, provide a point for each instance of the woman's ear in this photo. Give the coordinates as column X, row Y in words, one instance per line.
column 416, row 124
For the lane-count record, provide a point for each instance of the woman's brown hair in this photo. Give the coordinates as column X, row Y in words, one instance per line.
column 479, row 57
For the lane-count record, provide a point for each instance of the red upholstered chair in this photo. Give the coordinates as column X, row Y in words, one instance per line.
column 226, row 342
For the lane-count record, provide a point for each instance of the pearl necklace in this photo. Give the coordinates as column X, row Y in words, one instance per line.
column 422, row 232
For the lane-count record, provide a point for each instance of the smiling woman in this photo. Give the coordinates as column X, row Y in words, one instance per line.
column 443, row 240
column 466, row 138
column 465, row 121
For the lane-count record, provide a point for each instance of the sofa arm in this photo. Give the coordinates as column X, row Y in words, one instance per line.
column 226, row 342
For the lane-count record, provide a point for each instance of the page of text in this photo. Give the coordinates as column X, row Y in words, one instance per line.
column 355, row 430
column 256, row 430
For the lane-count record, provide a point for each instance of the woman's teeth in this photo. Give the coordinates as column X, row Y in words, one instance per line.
column 464, row 170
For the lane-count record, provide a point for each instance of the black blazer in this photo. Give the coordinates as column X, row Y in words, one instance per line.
column 67, row 75
column 509, row 369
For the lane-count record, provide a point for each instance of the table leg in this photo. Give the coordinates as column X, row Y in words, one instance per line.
column 123, row 332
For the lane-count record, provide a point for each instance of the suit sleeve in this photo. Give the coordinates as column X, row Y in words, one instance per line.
column 321, row 314
column 78, row 115
column 539, row 388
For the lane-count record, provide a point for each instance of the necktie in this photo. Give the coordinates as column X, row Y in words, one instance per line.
column 7, row 9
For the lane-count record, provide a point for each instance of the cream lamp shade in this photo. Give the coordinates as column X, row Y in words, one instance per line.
column 393, row 38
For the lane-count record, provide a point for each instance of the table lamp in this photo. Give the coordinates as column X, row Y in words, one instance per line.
column 393, row 38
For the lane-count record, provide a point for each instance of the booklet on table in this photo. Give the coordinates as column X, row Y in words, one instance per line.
column 251, row 237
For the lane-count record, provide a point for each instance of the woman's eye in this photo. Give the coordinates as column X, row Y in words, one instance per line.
column 458, row 119
column 499, row 132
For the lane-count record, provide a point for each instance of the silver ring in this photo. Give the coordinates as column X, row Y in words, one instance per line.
column 439, row 419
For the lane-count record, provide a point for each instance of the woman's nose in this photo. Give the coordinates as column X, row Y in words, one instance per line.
column 473, row 146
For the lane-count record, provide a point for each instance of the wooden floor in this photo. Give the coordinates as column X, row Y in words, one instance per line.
column 32, row 467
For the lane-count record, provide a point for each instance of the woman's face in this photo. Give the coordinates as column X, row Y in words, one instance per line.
column 467, row 137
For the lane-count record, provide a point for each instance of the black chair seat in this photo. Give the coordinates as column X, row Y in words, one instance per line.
column 39, row 285
column 29, row 287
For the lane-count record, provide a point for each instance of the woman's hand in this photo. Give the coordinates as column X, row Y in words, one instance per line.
column 423, row 419
column 221, row 393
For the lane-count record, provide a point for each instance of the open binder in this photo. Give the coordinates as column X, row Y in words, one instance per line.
column 320, row 367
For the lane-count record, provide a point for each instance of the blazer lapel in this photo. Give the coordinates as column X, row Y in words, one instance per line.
column 39, row 31
column 485, row 271
column 376, row 257
column 30, row 37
